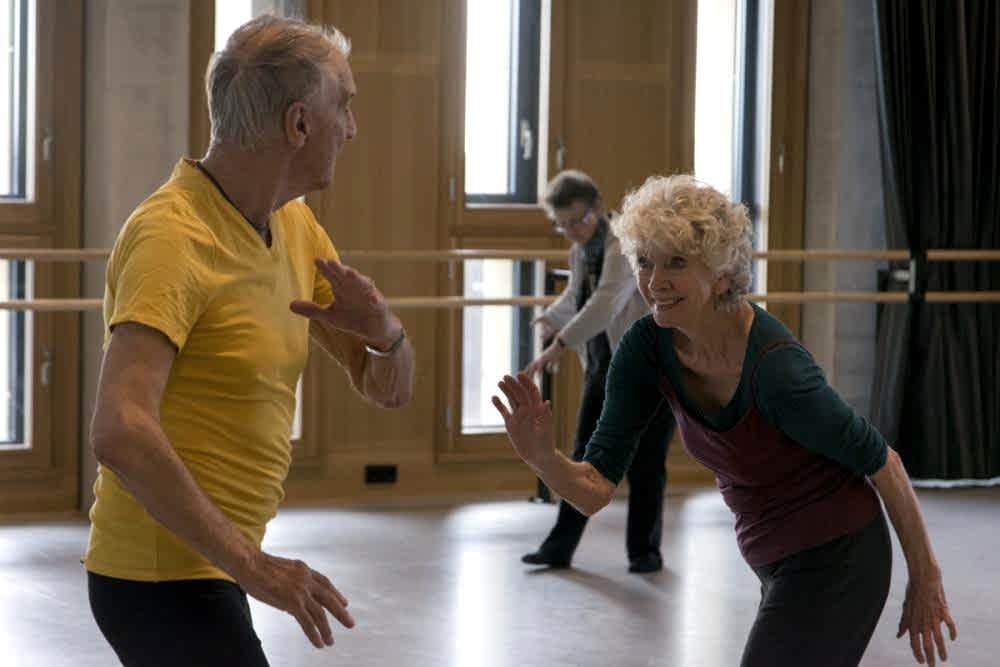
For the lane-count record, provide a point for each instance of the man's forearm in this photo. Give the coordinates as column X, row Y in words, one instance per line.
column 146, row 463
column 904, row 511
column 388, row 381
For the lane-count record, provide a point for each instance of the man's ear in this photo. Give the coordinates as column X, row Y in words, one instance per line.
column 296, row 124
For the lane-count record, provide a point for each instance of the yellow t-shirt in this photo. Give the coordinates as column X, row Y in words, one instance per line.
column 189, row 265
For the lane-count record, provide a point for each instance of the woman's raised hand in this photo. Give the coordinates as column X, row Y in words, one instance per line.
column 529, row 420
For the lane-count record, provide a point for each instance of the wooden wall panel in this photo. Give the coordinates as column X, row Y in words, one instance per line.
column 384, row 196
column 789, row 100
column 627, row 90
column 201, row 47
column 621, row 33
column 621, row 160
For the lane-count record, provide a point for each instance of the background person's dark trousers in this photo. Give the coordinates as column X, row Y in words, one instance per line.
column 647, row 479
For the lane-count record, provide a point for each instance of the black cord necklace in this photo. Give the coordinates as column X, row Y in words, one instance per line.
column 264, row 232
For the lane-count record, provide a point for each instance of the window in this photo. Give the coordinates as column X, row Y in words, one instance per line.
column 503, row 40
column 15, row 332
column 16, row 113
column 715, row 89
column 17, row 55
column 230, row 15
column 732, row 106
column 496, row 340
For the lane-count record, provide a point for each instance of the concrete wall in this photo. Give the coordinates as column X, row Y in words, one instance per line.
column 135, row 129
column 844, row 207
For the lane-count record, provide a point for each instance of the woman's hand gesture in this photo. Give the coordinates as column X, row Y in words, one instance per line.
column 924, row 610
column 529, row 420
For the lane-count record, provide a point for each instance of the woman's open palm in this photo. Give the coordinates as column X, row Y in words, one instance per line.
column 529, row 420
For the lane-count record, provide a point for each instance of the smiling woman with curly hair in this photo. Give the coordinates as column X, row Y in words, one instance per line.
column 801, row 472
column 681, row 213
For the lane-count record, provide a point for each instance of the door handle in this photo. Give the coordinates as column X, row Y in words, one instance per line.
column 527, row 140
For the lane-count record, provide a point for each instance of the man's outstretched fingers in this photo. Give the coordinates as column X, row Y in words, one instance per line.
column 331, row 269
column 925, row 638
column 333, row 605
column 307, row 309
column 322, row 623
column 308, row 627
column 939, row 641
column 329, row 584
column 918, row 651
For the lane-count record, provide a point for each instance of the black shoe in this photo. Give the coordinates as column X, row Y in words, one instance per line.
column 542, row 558
column 647, row 563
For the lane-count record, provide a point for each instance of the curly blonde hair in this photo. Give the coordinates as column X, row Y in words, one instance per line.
column 681, row 214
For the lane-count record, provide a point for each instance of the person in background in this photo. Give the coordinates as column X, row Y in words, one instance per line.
column 598, row 305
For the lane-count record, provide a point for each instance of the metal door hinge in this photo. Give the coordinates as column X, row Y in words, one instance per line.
column 45, row 369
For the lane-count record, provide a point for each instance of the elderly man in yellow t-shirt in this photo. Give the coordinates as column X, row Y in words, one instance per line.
column 215, row 285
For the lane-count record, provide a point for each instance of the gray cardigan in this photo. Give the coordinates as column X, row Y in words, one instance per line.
column 614, row 305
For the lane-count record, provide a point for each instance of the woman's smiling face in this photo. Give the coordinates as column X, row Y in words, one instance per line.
column 678, row 288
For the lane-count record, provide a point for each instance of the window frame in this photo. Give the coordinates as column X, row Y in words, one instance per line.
column 44, row 476
column 522, row 176
column 19, row 381
column 19, row 111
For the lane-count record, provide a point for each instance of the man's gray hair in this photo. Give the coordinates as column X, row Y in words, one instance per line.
column 267, row 64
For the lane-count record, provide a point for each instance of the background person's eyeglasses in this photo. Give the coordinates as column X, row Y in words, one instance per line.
column 560, row 227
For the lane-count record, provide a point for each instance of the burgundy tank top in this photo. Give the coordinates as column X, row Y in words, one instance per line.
column 786, row 498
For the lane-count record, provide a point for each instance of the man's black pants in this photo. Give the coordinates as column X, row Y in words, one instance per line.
column 193, row 622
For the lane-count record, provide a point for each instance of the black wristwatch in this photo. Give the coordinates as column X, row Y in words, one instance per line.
column 392, row 348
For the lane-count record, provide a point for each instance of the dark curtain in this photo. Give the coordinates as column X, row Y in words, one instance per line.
column 937, row 385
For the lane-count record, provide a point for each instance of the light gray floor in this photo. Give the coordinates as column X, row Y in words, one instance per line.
column 443, row 586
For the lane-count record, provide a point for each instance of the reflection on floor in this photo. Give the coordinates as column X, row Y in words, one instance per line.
column 443, row 586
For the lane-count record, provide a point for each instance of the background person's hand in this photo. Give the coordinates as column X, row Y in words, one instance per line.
column 295, row 588
column 529, row 421
column 924, row 610
column 547, row 360
column 547, row 329
column 358, row 306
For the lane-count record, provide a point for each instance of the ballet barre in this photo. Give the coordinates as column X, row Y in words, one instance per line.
column 457, row 302
column 935, row 255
